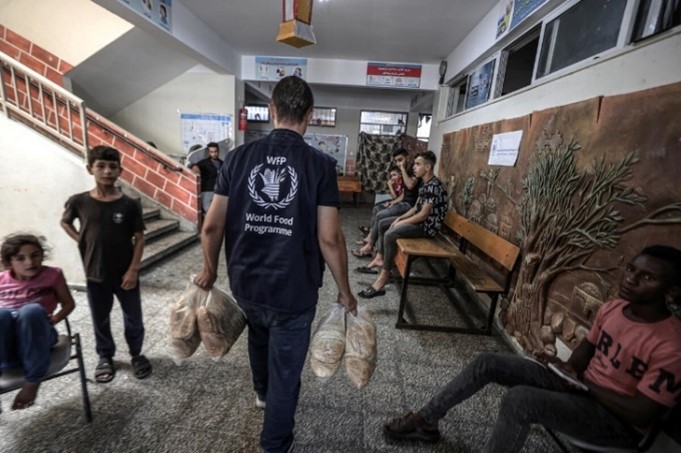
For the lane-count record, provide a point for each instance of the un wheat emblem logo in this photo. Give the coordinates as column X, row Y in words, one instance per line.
column 272, row 180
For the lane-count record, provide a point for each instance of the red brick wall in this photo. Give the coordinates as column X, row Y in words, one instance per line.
column 146, row 169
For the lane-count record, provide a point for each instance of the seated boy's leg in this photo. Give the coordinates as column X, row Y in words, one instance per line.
column 392, row 212
column 100, row 299
column 503, row 369
column 570, row 412
column 383, row 226
column 390, row 242
column 35, row 338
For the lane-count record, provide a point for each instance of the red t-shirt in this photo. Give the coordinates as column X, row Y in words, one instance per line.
column 633, row 356
column 14, row 294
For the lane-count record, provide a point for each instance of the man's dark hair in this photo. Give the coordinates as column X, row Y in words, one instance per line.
column 400, row 152
column 212, row 145
column 429, row 157
column 12, row 243
column 292, row 99
column 669, row 254
column 102, row 152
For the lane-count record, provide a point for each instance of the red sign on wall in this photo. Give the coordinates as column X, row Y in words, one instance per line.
column 394, row 75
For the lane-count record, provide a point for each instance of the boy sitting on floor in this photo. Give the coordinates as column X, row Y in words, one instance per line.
column 630, row 361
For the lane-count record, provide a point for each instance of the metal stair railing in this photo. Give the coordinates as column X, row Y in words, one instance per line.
column 36, row 99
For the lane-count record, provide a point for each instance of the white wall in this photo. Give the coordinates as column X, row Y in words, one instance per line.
column 36, row 178
column 654, row 62
column 70, row 29
column 156, row 116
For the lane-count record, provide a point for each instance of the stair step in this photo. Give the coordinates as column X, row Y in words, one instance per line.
column 150, row 214
column 159, row 227
column 168, row 244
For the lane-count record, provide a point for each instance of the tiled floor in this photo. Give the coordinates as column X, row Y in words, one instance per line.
column 207, row 406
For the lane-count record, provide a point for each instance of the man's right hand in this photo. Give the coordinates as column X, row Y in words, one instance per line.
column 349, row 302
column 205, row 279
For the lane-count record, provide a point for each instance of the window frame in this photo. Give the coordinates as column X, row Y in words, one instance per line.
column 406, row 120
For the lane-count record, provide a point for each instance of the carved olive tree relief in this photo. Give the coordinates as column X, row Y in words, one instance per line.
column 565, row 216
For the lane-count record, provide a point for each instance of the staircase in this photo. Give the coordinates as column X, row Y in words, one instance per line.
column 168, row 191
column 162, row 237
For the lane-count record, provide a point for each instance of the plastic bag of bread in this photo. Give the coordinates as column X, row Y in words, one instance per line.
column 184, row 331
column 328, row 343
column 220, row 322
column 360, row 347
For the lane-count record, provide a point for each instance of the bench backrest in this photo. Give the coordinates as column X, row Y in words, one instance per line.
column 495, row 247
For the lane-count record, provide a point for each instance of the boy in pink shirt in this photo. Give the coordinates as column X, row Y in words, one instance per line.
column 630, row 363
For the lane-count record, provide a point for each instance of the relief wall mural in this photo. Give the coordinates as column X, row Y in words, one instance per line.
column 594, row 183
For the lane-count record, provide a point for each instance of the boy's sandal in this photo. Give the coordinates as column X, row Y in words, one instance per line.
column 367, row 270
column 357, row 253
column 371, row 292
column 105, row 371
column 141, row 366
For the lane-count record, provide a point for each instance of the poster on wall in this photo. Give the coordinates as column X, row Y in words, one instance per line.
column 504, row 149
column 158, row 12
column 479, row 85
column 505, row 15
column 393, row 75
column 335, row 146
column 276, row 68
column 202, row 128
column 522, row 9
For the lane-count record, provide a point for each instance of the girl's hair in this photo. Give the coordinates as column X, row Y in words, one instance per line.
column 12, row 243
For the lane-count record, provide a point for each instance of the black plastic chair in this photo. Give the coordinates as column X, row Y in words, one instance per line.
column 60, row 356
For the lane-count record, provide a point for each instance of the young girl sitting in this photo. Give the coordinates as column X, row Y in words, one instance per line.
column 29, row 294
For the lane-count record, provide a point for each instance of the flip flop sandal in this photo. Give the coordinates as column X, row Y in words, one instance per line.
column 361, row 242
column 357, row 253
column 371, row 292
column 141, row 366
column 367, row 270
column 105, row 371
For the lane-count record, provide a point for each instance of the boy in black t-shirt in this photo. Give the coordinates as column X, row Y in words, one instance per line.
column 111, row 240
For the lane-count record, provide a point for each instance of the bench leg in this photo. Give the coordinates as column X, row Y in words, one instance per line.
column 490, row 315
column 403, row 293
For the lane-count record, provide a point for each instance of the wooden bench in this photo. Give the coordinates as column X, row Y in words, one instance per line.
column 350, row 184
column 484, row 242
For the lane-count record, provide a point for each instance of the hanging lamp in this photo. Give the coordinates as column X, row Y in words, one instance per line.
column 296, row 27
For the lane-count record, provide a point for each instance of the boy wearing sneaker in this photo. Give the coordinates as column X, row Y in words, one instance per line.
column 630, row 362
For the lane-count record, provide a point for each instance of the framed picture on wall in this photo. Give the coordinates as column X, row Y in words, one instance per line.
column 324, row 117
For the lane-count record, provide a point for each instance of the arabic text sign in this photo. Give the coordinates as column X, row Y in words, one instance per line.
column 505, row 148
column 394, row 75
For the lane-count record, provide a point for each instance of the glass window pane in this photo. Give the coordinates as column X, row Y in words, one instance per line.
column 587, row 29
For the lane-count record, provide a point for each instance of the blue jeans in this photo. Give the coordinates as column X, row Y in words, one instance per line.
column 536, row 396
column 277, row 347
column 26, row 338
column 387, row 239
column 100, row 297
column 380, row 212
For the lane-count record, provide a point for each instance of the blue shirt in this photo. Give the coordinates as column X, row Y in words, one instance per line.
column 275, row 185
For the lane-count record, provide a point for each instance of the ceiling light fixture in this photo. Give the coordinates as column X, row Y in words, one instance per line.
column 296, row 27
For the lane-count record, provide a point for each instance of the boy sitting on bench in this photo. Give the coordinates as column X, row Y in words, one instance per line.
column 423, row 220
column 630, row 362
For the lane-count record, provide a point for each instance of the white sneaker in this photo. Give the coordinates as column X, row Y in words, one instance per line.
column 260, row 404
